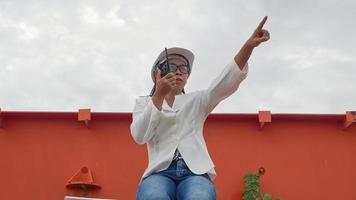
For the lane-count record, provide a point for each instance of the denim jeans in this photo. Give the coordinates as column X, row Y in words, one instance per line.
column 176, row 182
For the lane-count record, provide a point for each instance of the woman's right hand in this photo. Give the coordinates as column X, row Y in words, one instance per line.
column 165, row 84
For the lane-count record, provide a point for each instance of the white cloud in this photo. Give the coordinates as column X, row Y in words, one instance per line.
column 63, row 55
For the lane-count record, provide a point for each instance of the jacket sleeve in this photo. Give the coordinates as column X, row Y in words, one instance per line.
column 145, row 119
column 223, row 86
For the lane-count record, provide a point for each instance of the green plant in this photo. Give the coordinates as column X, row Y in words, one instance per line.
column 252, row 187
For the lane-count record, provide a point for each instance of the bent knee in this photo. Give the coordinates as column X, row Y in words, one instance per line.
column 199, row 195
column 152, row 195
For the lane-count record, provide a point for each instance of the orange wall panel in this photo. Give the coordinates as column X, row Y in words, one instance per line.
column 306, row 157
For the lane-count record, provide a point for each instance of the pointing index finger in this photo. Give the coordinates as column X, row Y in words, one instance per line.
column 260, row 26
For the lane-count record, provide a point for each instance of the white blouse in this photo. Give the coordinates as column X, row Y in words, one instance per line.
column 181, row 126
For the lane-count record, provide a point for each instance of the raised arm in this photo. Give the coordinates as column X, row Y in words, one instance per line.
column 258, row 36
column 231, row 77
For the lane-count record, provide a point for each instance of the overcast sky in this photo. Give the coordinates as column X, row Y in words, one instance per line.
column 69, row 54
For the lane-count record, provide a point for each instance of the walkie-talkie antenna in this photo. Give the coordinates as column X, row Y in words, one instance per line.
column 167, row 63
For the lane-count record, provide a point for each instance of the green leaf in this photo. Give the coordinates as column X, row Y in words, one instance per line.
column 252, row 188
column 267, row 196
column 250, row 196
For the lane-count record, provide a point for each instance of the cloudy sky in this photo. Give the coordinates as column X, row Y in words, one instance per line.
column 69, row 54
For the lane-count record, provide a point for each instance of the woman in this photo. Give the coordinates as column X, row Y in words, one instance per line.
column 171, row 123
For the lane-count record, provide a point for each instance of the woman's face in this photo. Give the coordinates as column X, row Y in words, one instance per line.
column 180, row 76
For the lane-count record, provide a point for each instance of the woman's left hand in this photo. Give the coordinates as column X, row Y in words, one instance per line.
column 259, row 35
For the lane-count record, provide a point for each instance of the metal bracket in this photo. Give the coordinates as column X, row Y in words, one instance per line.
column 84, row 115
column 350, row 117
column 264, row 117
column 83, row 180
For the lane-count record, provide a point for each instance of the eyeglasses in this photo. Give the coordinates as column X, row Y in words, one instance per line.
column 172, row 67
column 182, row 68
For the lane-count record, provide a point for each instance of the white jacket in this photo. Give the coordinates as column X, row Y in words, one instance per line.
column 181, row 126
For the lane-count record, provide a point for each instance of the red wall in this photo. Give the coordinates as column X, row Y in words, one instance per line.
column 305, row 156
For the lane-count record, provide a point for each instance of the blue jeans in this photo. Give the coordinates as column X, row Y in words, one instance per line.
column 176, row 182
